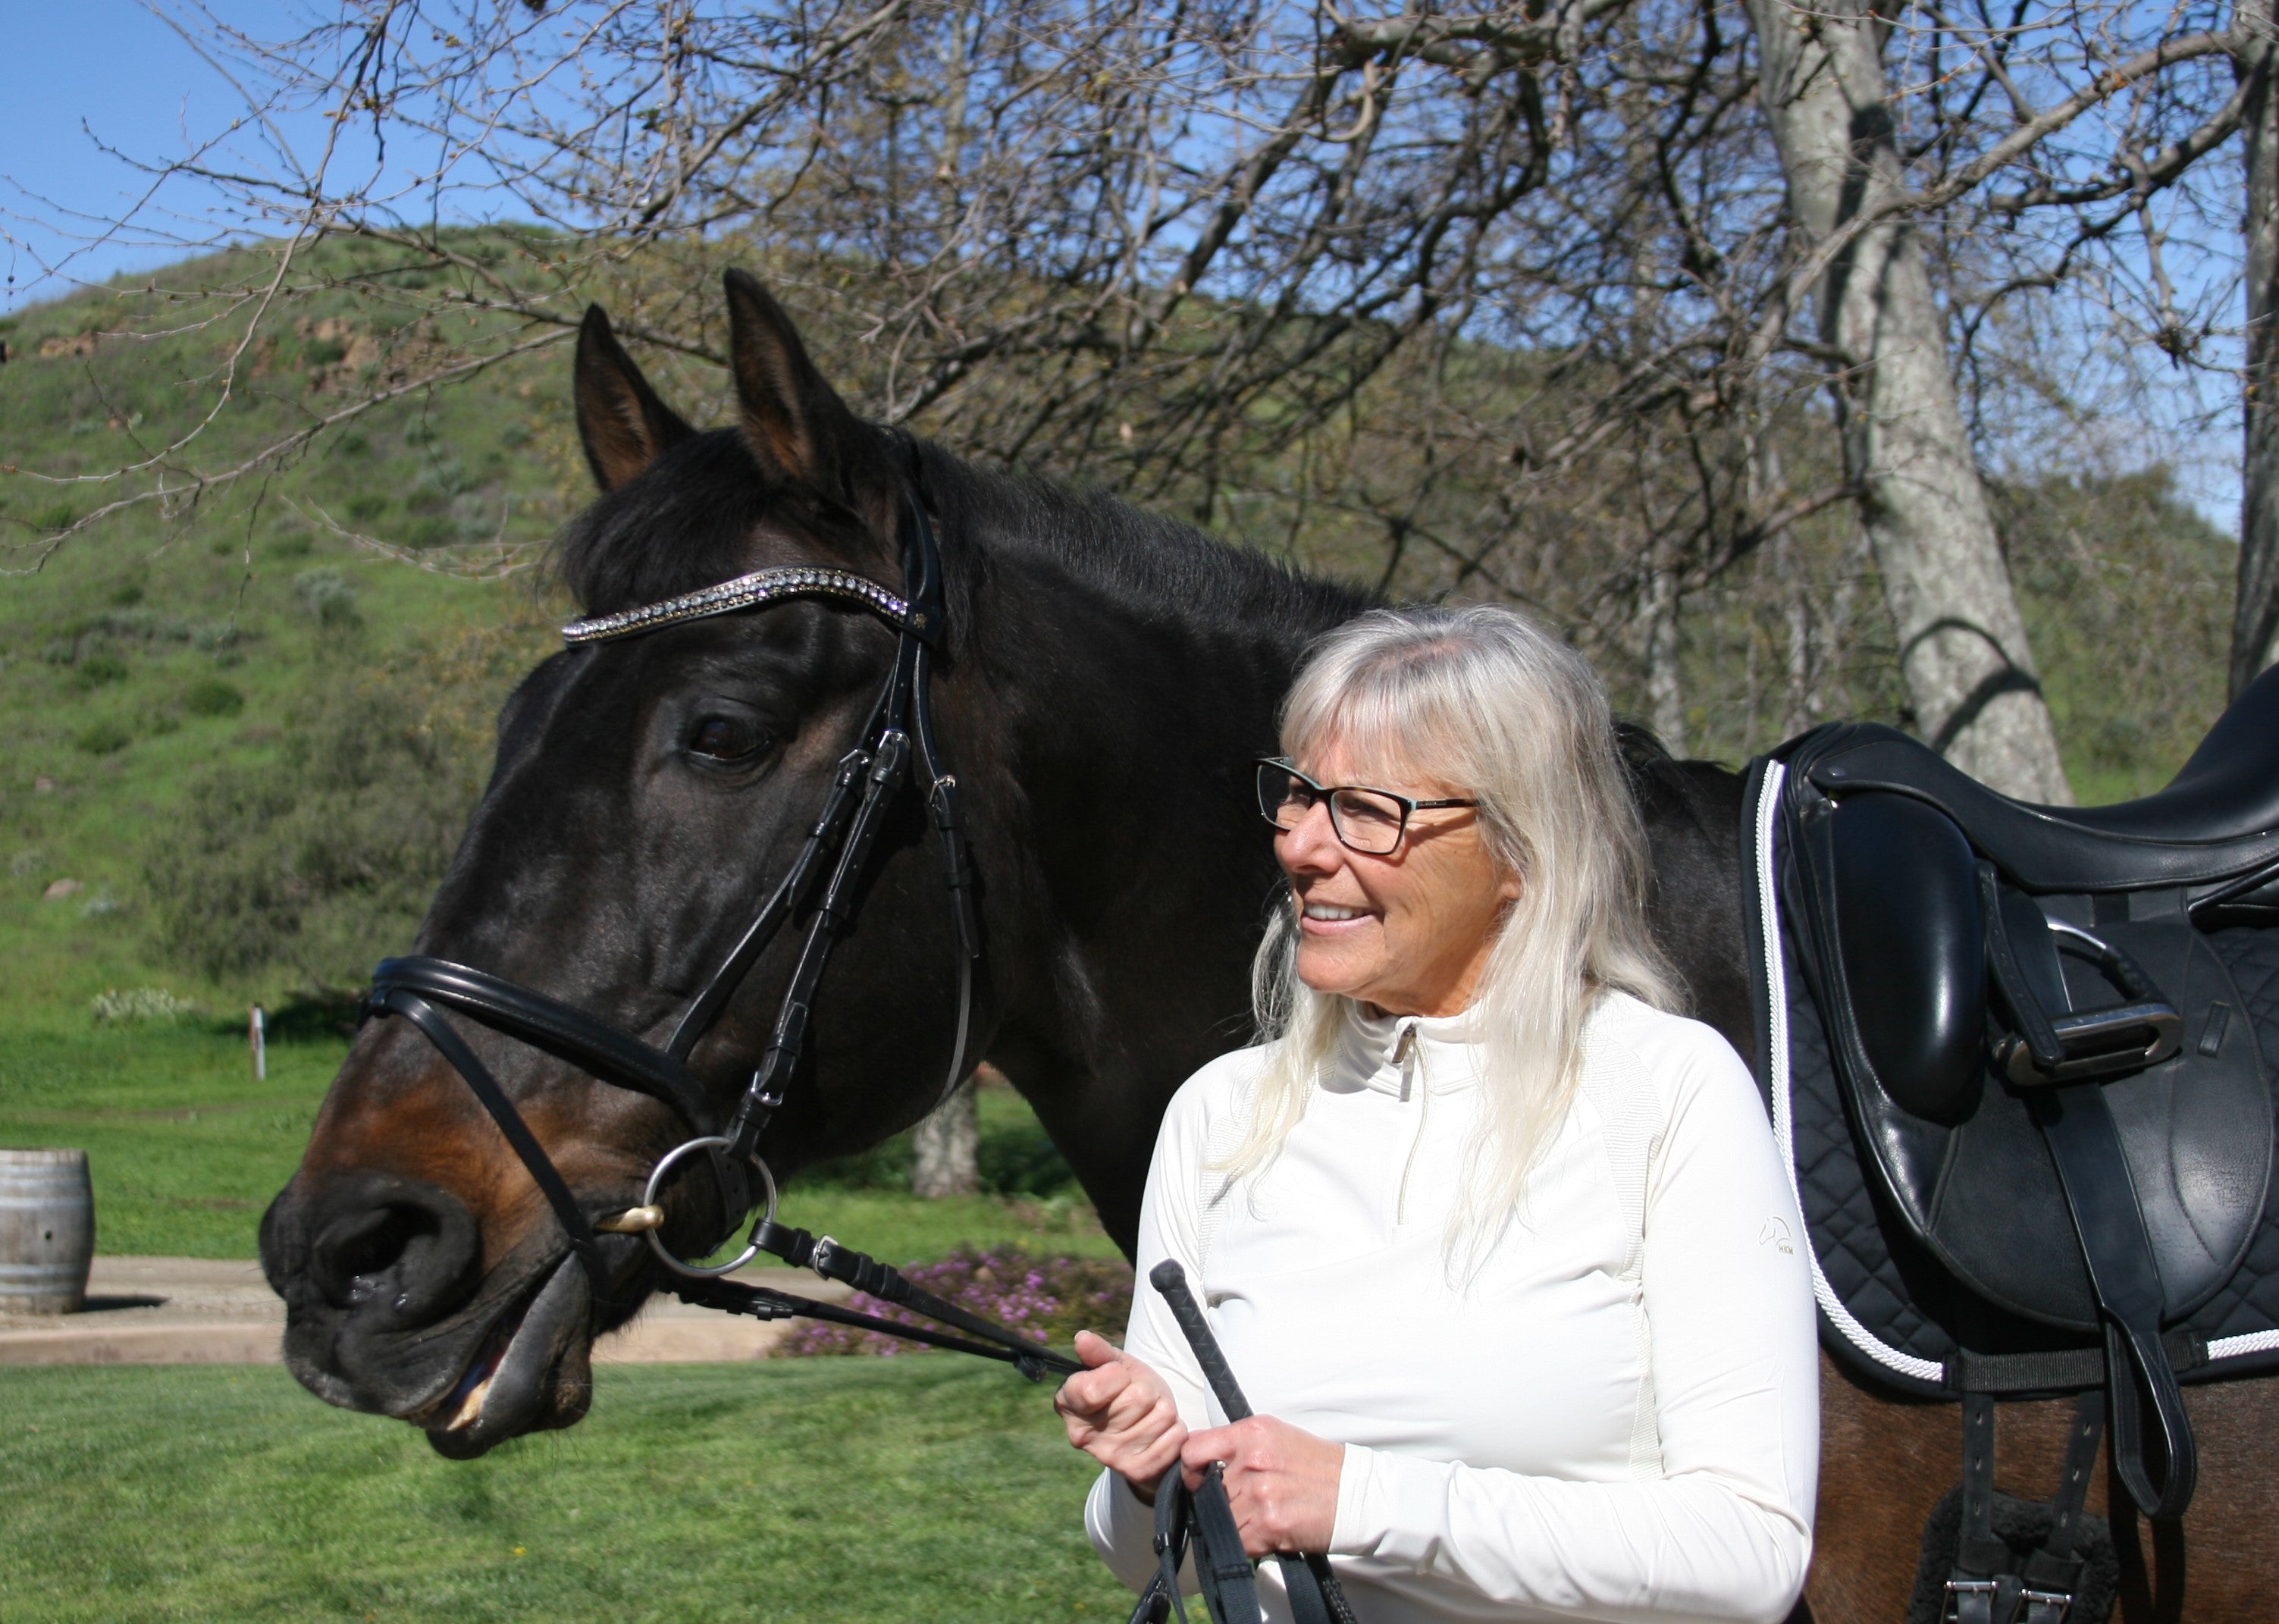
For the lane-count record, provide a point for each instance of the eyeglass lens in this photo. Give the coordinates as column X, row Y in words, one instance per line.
column 1368, row 823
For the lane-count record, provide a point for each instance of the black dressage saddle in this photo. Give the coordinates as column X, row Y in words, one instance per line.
column 2048, row 1070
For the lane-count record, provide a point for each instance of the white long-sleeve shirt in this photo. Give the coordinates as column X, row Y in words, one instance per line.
column 1615, row 1417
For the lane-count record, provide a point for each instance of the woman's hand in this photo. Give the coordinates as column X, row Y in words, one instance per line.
column 1282, row 1482
column 1119, row 1412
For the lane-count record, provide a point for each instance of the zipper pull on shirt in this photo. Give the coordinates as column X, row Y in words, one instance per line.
column 1405, row 1056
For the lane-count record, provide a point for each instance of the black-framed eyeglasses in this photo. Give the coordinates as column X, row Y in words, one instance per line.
column 1369, row 821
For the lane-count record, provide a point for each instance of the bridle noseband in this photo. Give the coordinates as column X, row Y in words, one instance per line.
column 824, row 875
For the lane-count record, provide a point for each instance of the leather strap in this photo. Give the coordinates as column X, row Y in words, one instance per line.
column 2053, row 1574
column 525, row 1144
column 1230, row 1586
column 2093, row 1170
column 1981, row 1590
column 2086, row 1147
column 547, row 1024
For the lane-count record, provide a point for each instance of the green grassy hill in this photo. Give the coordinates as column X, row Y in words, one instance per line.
column 193, row 639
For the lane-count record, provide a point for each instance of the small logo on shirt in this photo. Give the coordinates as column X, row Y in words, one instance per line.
column 1776, row 1234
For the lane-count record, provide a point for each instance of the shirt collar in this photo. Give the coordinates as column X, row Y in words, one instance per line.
column 1388, row 1052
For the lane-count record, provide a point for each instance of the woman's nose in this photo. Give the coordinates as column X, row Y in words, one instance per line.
column 1311, row 845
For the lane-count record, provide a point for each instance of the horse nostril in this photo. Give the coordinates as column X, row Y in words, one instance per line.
column 374, row 1245
column 396, row 1249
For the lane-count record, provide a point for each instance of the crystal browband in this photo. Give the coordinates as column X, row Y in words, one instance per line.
column 745, row 592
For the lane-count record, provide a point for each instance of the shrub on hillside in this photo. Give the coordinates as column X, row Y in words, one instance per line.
column 137, row 1005
column 328, row 596
column 103, row 737
column 321, row 861
column 211, row 696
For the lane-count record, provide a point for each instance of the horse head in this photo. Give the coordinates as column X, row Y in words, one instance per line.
column 646, row 794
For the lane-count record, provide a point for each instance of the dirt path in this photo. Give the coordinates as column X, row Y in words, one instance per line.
column 197, row 1311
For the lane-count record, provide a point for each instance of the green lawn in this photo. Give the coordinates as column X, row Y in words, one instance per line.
column 186, row 1149
column 862, row 1489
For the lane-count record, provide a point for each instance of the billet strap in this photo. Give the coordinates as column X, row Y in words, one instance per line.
column 1982, row 1588
column 575, row 1225
column 2053, row 1574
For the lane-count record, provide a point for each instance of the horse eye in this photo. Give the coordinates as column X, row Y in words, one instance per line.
column 726, row 738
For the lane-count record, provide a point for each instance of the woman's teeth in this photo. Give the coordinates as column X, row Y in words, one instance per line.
column 1323, row 910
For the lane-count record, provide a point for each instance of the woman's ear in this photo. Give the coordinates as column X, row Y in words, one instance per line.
column 621, row 423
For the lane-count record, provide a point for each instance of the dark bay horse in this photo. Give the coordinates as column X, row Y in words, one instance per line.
column 1109, row 677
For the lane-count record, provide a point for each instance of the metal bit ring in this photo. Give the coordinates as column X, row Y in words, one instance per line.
column 698, row 1271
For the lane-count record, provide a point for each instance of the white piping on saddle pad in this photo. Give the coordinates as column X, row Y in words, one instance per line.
column 1783, row 1121
column 2251, row 1342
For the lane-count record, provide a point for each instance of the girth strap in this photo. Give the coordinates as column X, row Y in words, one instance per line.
column 1983, row 1590
column 1989, row 1585
column 575, row 1225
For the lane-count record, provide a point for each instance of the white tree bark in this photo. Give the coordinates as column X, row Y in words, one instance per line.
column 949, row 1145
column 2255, row 625
column 1962, row 643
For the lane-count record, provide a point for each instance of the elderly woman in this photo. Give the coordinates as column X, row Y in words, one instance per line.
column 1498, row 1245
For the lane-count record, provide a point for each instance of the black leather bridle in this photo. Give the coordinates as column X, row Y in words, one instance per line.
column 823, row 877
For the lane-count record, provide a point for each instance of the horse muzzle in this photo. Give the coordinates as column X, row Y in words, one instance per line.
column 389, row 1312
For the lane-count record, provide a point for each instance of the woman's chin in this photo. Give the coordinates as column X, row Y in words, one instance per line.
column 1331, row 972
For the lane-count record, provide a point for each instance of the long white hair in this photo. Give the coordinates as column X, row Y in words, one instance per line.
column 1484, row 700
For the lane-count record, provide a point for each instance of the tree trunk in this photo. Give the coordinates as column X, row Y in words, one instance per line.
column 2255, row 616
column 949, row 1145
column 1962, row 644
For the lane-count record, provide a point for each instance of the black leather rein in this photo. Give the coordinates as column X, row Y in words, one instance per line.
column 821, row 882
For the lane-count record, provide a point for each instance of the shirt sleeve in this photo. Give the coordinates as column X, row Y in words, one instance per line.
column 1121, row 1526
column 1725, row 1532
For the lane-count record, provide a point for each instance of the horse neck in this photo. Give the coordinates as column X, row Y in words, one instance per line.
column 1128, row 672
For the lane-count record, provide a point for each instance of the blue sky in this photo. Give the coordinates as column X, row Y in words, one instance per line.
column 87, row 74
column 96, row 87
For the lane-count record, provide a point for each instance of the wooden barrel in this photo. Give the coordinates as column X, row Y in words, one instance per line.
column 47, row 1230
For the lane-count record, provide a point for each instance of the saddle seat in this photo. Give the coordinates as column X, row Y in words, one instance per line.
column 2216, row 821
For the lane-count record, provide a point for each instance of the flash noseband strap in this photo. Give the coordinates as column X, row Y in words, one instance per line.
column 747, row 592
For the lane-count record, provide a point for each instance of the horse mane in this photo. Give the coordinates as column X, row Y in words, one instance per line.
column 688, row 525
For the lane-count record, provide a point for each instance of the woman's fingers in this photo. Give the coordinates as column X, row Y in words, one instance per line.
column 1281, row 1482
column 1120, row 1412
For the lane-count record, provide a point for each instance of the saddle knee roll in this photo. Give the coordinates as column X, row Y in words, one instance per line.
column 1913, row 950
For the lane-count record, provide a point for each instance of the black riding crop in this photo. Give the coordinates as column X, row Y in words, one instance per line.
column 1315, row 1597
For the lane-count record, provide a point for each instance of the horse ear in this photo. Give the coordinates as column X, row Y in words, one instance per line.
column 621, row 423
column 795, row 422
